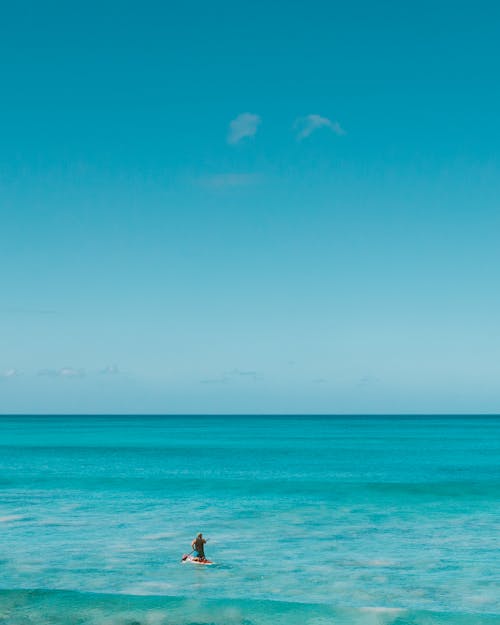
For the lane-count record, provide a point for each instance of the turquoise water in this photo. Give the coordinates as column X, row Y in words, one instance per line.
column 362, row 520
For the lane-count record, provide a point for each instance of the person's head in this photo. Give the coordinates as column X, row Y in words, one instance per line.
column 200, row 535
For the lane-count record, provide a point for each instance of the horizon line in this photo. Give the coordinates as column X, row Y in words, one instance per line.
column 258, row 415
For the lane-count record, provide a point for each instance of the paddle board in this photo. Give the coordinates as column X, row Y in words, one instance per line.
column 187, row 558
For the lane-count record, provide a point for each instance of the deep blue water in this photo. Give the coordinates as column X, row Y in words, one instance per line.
column 310, row 519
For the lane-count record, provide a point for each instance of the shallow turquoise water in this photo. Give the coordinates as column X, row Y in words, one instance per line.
column 342, row 520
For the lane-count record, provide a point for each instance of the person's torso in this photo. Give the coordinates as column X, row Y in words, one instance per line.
column 198, row 543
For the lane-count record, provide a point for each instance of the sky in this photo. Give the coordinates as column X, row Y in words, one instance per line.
column 250, row 207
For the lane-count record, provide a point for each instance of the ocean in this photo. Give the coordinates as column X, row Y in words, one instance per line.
column 363, row 520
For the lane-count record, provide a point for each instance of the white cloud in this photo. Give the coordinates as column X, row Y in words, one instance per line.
column 64, row 372
column 243, row 372
column 110, row 370
column 233, row 376
column 69, row 372
column 225, row 181
column 242, row 375
column 245, row 125
column 10, row 373
column 310, row 123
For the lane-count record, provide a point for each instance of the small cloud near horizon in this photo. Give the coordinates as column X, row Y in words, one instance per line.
column 253, row 375
column 310, row 123
column 244, row 125
column 230, row 377
column 64, row 372
column 110, row 370
column 239, row 372
column 10, row 373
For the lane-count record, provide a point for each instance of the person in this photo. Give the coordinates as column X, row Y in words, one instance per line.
column 198, row 546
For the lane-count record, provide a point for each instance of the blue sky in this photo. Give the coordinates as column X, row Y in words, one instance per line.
column 250, row 207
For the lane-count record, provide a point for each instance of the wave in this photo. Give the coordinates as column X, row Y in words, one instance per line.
column 327, row 488
column 61, row 607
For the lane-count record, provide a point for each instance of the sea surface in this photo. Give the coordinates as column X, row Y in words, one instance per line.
column 310, row 520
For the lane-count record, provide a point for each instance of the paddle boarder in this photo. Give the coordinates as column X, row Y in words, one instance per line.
column 198, row 546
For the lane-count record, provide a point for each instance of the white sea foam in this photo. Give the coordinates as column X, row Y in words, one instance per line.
column 149, row 588
column 9, row 518
column 383, row 610
column 379, row 615
column 160, row 536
